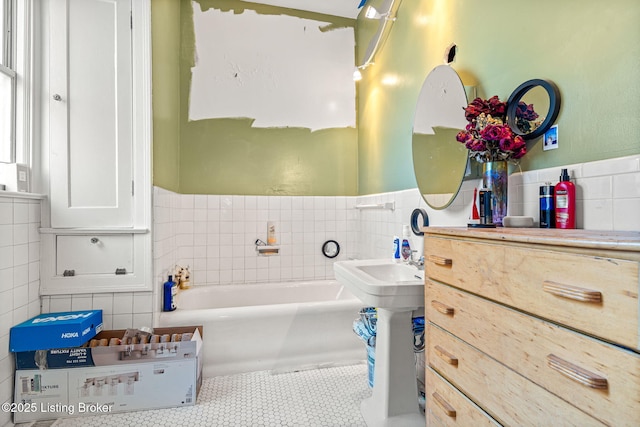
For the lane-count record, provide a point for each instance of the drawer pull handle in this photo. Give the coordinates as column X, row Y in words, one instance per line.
column 577, row 373
column 572, row 292
column 440, row 260
column 444, row 405
column 446, row 356
column 442, row 308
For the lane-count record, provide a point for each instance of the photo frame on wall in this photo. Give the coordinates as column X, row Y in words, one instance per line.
column 550, row 139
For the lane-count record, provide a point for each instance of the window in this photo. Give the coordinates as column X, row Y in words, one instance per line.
column 15, row 63
column 7, row 83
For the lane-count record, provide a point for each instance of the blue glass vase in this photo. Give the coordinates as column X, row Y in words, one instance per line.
column 495, row 177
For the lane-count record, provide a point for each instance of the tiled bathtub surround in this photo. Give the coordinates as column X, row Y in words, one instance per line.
column 215, row 236
column 19, row 278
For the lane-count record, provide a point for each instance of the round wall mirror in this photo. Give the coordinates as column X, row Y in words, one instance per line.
column 541, row 96
column 439, row 161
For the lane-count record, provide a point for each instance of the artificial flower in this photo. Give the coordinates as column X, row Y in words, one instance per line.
column 489, row 137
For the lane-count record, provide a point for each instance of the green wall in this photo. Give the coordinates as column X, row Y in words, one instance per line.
column 588, row 48
column 165, row 33
column 228, row 156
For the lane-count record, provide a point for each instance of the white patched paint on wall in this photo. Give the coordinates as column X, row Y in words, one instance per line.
column 280, row 70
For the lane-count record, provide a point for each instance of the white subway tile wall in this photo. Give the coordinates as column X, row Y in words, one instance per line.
column 19, row 279
column 607, row 193
column 120, row 310
column 215, row 235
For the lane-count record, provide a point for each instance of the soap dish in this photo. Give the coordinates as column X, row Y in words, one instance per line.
column 517, row 221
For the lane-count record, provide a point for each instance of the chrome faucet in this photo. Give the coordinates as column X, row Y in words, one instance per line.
column 418, row 264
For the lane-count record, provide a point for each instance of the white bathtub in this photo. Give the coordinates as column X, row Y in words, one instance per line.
column 271, row 326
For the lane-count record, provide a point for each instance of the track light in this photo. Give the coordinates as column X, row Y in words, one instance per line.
column 357, row 73
column 372, row 13
column 384, row 27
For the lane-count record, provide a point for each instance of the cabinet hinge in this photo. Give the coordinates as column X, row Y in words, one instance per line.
column 131, row 19
column 133, row 188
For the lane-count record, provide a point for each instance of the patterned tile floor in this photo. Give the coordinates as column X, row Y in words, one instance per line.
column 328, row 397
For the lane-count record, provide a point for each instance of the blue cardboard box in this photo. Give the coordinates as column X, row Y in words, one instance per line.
column 55, row 330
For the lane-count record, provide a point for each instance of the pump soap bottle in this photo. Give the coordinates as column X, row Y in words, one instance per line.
column 396, row 249
column 564, row 195
column 406, row 244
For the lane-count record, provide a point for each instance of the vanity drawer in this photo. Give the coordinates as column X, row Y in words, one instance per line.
column 599, row 378
column 592, row 294
column 446, row 406
column 504, row 394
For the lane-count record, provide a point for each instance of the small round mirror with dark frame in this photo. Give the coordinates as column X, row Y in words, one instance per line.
column 330, row 249
column 541, row 96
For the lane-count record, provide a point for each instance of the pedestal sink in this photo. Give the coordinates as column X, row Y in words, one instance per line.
column 396, row 290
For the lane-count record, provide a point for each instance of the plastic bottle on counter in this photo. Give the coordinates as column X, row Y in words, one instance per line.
column 564, row 195
column 547, row 210
column 406, row 243
column 396, row 249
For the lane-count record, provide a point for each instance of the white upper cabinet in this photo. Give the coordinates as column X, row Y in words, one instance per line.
column 91, row 113
column 96, row 129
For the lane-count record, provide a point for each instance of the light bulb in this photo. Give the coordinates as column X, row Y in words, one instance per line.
column 371, row 13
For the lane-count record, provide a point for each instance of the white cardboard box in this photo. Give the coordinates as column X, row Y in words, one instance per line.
column 84, row 391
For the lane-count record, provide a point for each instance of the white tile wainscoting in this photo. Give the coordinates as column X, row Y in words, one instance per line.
column 215, row 234
column 120, row 310
column 607, row 193
column 19, row 277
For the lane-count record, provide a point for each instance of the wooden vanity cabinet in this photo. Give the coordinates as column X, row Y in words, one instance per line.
column 532, row 327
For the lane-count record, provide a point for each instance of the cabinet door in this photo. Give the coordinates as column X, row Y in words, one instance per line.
column 90, row 113
column 95, row 254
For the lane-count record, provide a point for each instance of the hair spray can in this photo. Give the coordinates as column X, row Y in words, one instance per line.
column 547, row 210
